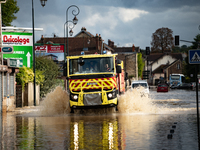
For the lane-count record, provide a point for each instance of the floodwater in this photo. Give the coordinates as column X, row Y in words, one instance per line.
column 142, row 123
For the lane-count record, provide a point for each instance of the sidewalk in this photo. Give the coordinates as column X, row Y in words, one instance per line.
column 26, row 109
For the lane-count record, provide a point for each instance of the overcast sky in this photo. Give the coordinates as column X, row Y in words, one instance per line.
column 126, row 22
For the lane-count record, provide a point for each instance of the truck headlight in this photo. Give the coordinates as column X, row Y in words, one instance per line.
column 110, row 95
column 74, row 97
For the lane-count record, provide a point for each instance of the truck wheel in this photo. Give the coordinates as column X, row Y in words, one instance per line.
column 72, row 110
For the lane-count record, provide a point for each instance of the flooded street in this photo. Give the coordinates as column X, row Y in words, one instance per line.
column 164, row 121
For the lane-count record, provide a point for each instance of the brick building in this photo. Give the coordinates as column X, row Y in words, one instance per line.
column 129, row 56
column 85, row 42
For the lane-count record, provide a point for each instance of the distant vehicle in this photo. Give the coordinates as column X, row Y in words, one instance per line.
column 141, row 83
column 176, row 79
column 174, row 87
column 162, row 88
column 185, row 86
column 194, row 85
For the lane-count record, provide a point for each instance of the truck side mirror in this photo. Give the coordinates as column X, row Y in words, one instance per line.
column 118, row 69
column 118, row 61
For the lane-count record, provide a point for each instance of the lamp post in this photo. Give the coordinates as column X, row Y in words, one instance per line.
column 34, row 89
column 73, row 23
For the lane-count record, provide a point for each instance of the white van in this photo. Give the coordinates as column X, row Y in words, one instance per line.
column 142, row 83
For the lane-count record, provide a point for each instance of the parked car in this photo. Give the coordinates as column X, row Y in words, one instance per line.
column 194, row 85
column 174, row 86
column 185, row 86
column 141, row 83
column 162, row 88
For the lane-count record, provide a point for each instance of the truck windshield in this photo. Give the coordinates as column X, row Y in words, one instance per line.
column 91, row 65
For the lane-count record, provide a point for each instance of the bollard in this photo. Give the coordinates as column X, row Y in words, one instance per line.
column 169, row 136
column 174, row 126
column 172, row 131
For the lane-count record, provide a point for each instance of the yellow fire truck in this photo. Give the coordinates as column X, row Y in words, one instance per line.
column 94, row 80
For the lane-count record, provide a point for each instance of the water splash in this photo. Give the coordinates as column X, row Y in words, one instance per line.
column 135, row 102
column 55, row 103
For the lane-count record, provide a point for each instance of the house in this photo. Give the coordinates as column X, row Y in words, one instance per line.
column 8, row 98
column 161, row 65
column 83, row 42
column 129, row 56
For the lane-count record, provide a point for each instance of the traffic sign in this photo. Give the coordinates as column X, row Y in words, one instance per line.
column 194, row 56
column 15, row 62
column 6, row 50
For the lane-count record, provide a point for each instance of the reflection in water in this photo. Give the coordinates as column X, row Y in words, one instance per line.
column 95, row 133
column 76, row 136
column 110, row 137
column 141, row 123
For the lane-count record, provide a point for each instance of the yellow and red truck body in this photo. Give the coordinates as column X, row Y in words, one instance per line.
column 96, row 87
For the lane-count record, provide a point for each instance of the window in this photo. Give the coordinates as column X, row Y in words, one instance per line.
column 178, row 66
column 91, row 65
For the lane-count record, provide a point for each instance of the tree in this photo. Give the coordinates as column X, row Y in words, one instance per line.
column 162, row 40
column 182, row 49
column 196, row 44
column 26, row 75
column 50, row 71
column 140, row 64
column 8, row 10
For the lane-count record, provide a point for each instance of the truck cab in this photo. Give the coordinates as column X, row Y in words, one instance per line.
column 94, row 81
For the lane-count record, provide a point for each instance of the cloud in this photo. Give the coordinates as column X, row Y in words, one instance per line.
column 127, row 15
column 125, row 22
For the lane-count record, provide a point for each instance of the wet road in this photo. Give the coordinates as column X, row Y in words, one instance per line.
column 141, row 124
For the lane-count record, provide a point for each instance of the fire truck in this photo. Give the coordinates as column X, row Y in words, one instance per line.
column 94, row 81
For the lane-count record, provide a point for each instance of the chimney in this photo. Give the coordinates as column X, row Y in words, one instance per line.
column 42, row 39
column 133, row 48
column 99, row 37
column 83, row 29
column 110, row 43
column 97, row 42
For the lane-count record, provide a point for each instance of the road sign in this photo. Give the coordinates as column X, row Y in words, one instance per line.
column 15, row 62
column 6, row 50
column 194, row 56
column 22, row 44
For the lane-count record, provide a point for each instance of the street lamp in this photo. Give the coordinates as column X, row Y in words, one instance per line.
column 71, row 26
column 43, row 2
column 34, row 89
